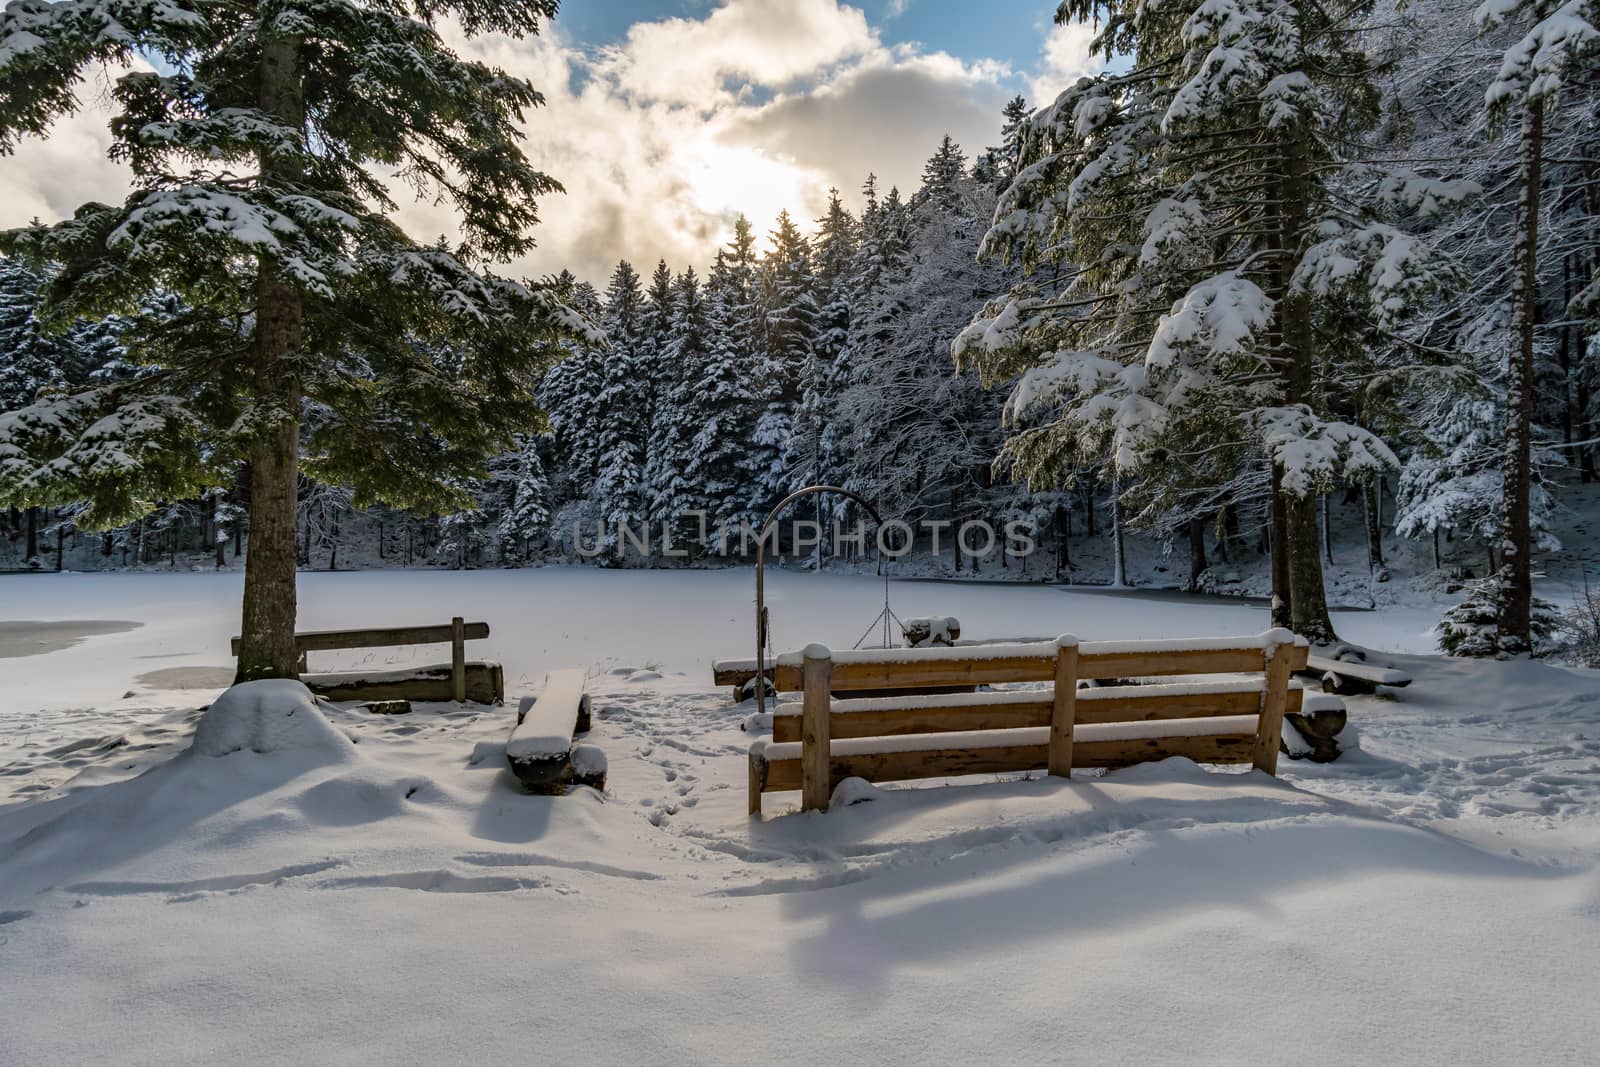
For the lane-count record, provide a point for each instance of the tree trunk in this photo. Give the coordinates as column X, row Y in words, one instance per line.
column 1308, row 605
column 266, row 635
column 1327, row 528
column 1197, row 552
column 1282, row 592
column 33, row 533
column 1119, row 559
column 1063, row 537
column 1516, row 536
column 1369, row 504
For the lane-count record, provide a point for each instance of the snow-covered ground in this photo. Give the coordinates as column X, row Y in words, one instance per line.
column 1431, row 897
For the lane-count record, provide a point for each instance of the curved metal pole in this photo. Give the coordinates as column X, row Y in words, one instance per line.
column 761, row 601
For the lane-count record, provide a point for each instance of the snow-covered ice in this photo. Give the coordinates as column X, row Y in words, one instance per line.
column 333, row 885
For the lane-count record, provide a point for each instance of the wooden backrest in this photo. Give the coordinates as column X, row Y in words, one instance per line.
column 1248, row 711
column 380, row 637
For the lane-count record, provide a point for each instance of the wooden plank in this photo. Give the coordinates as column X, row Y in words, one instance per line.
column 1269, row 732
column 1376, row 675
column 994, row 715
column 1063, row 708
column 485, row 684
column 458, row 658
column 815, row 732
column 924, row 720
column 734, row 671
column 1035, row 665
column 782, row 775
column 325, row 640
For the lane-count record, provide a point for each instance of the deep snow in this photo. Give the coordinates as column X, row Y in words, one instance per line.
column 1431, row 897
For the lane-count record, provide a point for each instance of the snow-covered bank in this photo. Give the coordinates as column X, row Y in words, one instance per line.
column 1431, row 897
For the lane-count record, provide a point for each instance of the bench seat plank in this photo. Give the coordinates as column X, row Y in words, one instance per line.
column 1387, row 676
column 541, row 744
column 1006, row 751
column 896, row 716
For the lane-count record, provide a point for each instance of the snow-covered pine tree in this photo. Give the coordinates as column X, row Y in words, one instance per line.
column 523, row 498
column 1009, row 152
column 790, row 328
column 29, row 361
column 255, row 202
column 570, row 393
column 670, row 473
column 1197, row 207
column 922, row 436
column 813, row 454
column 622, row 412
column 731, row 399
column 1560, row 39
column 34, row 359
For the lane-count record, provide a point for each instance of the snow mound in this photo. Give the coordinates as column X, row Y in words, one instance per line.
column 853, row 791
column 267, row 716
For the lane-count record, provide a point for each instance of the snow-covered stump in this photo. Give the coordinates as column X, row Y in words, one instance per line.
column 931, row 630
column 541, row 751
column 1315, row 728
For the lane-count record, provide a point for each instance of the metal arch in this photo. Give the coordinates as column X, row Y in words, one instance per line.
column 761, row 601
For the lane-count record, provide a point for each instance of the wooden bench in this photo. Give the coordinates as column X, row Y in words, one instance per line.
column 483, row 683
column 1353, row 676
column 541, row 748
column 820, row 742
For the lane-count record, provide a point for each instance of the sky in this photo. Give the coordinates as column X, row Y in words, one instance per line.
column 667, row 118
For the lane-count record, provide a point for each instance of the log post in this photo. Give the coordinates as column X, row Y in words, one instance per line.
column 1064, row 708
column 815, row 729
column 458, row 659
column 757, row 773
column 1269, row 729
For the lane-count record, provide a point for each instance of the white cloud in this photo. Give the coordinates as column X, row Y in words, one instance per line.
column 758, row 106
column 765, row 42
column 49, row 178
column 1065, row 59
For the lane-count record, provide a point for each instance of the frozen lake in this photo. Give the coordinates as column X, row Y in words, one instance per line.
column 677, row 621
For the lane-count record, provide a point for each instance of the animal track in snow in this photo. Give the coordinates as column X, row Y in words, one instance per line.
column 227, row 883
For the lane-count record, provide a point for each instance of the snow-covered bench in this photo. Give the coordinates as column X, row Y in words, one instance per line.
column 482, row 683
column 1346, row 675
column 541, row 747
column 820, row 742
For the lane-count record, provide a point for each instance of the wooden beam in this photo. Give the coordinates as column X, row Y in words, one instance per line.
column 815, row 732
column 1001, row 711
column 1269, row 730
column 916, row 668
column 1063, row 708
column 781, row 775
column 485, row 684
column 325, row 640
column 458, row 658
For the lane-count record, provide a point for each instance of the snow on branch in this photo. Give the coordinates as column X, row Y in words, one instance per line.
column 1315, row 454
column 1536, row 65
column 1219, row 316
column 1385, row 268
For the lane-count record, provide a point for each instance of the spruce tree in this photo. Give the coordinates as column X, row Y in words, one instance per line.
column 670, row 472
column 622, row 411
column 730, row 397
column 1199, row 235
column 1559, row 37
column 790, row 324
column 256, row 201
